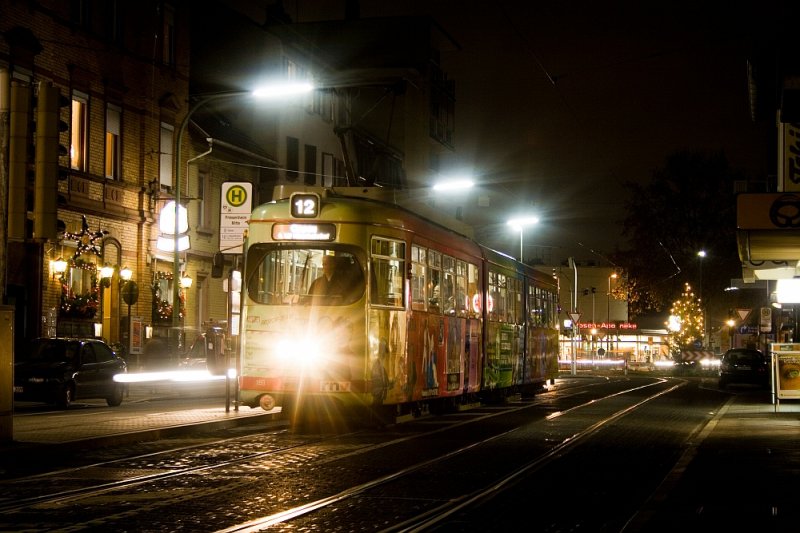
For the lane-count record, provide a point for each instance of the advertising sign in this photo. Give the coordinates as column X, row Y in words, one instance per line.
column 137, row 334
column 786, row 370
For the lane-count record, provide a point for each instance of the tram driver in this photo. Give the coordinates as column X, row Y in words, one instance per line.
column 328, row 284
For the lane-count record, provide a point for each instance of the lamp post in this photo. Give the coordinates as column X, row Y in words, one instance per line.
column 608, row 307
column 730, row 323
column 519, row 224
column 702, row 255
column 125, row 286
column 106, row 272
column 272, row 91
column 129, row 291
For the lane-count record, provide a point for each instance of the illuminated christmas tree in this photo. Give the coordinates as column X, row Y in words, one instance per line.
column 685, row 322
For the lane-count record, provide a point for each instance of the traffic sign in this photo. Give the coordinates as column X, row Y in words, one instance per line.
column 235, row 207
column 575, row 317
column 743, row 313
column 130, row 292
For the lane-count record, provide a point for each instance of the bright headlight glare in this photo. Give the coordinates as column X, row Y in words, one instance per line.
column 300, row 351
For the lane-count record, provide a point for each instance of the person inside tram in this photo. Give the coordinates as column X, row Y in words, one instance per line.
column 328, row 284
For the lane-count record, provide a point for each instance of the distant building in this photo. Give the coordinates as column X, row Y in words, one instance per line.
column 134, row 80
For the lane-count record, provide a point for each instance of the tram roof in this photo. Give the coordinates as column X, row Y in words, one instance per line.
column 378, row 205
column 375, row 205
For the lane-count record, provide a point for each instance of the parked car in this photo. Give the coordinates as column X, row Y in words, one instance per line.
column 61, row 370
column 745, row 366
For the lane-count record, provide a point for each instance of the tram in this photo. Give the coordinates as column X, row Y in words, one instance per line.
column 351, row 304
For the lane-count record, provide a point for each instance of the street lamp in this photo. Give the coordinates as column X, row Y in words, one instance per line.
column 702, row 255
column 608, row 307
column 730, row 323
column 454, row 185
column 519, row 224
column 271, row 91
column 129, row 291
column 608, row 297
column 59, row 267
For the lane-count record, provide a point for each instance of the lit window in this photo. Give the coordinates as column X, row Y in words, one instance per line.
column 79, row 131
column 165, row 161
column 113, row 116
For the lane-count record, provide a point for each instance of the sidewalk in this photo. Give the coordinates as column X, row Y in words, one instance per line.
column 739, row 473
column 152, row 411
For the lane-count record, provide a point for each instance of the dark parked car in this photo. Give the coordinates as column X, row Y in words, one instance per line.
column 742, row 365
column 60, row 370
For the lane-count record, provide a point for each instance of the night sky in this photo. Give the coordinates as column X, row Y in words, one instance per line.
column 560, row 102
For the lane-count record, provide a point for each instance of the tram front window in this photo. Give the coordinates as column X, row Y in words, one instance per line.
column 305, row 276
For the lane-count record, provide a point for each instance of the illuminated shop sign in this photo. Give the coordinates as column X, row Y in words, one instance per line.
column 608, row 325
column 303, row 232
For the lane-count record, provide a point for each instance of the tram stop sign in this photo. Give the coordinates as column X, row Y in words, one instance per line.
column 130, row 292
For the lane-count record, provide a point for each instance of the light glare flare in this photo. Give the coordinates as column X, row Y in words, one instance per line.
column 170, row 375
column 453, row 185
column 519, row 223
column 278, row 90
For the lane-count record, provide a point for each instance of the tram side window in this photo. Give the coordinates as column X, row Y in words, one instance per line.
column 388, row 267
column 473, row 294
column 461, row 288
column 533, row 319
column 514, row 300
column 498, row 294
column 418, row 258
column 551, row 310
column 502, row 298
column 546, row 302
column 535, row 306
column 435, row 281
column 448, row 285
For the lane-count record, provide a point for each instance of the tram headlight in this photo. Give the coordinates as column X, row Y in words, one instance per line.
column 303, row 352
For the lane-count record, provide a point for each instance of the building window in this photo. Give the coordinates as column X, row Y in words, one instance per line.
column 114, row 22
column 322, row 104
column 113, row 120
column 79, row 131
column 168, row 36
column 79, row 13
column 328, row 162
column 165, row 161
column 204, row 215
column 292, row 158
column 310, row 174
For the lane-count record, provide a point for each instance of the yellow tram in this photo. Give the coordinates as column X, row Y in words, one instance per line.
column 349, row 302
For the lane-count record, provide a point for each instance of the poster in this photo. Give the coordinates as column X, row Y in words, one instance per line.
column 137, row 335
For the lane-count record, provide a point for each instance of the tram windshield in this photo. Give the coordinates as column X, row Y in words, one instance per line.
column 304, row 276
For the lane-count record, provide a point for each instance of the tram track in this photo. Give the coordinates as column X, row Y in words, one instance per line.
column 457, row 502
column 147, row 473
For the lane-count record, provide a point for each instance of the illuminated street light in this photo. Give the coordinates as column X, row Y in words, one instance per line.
column 268, row 91
column 454, row 185
column 186, row 281
column 613, row 275
column 59, row 267
column 702, row 255
column 608, row 296
column 519, row 224
column 125, row 273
